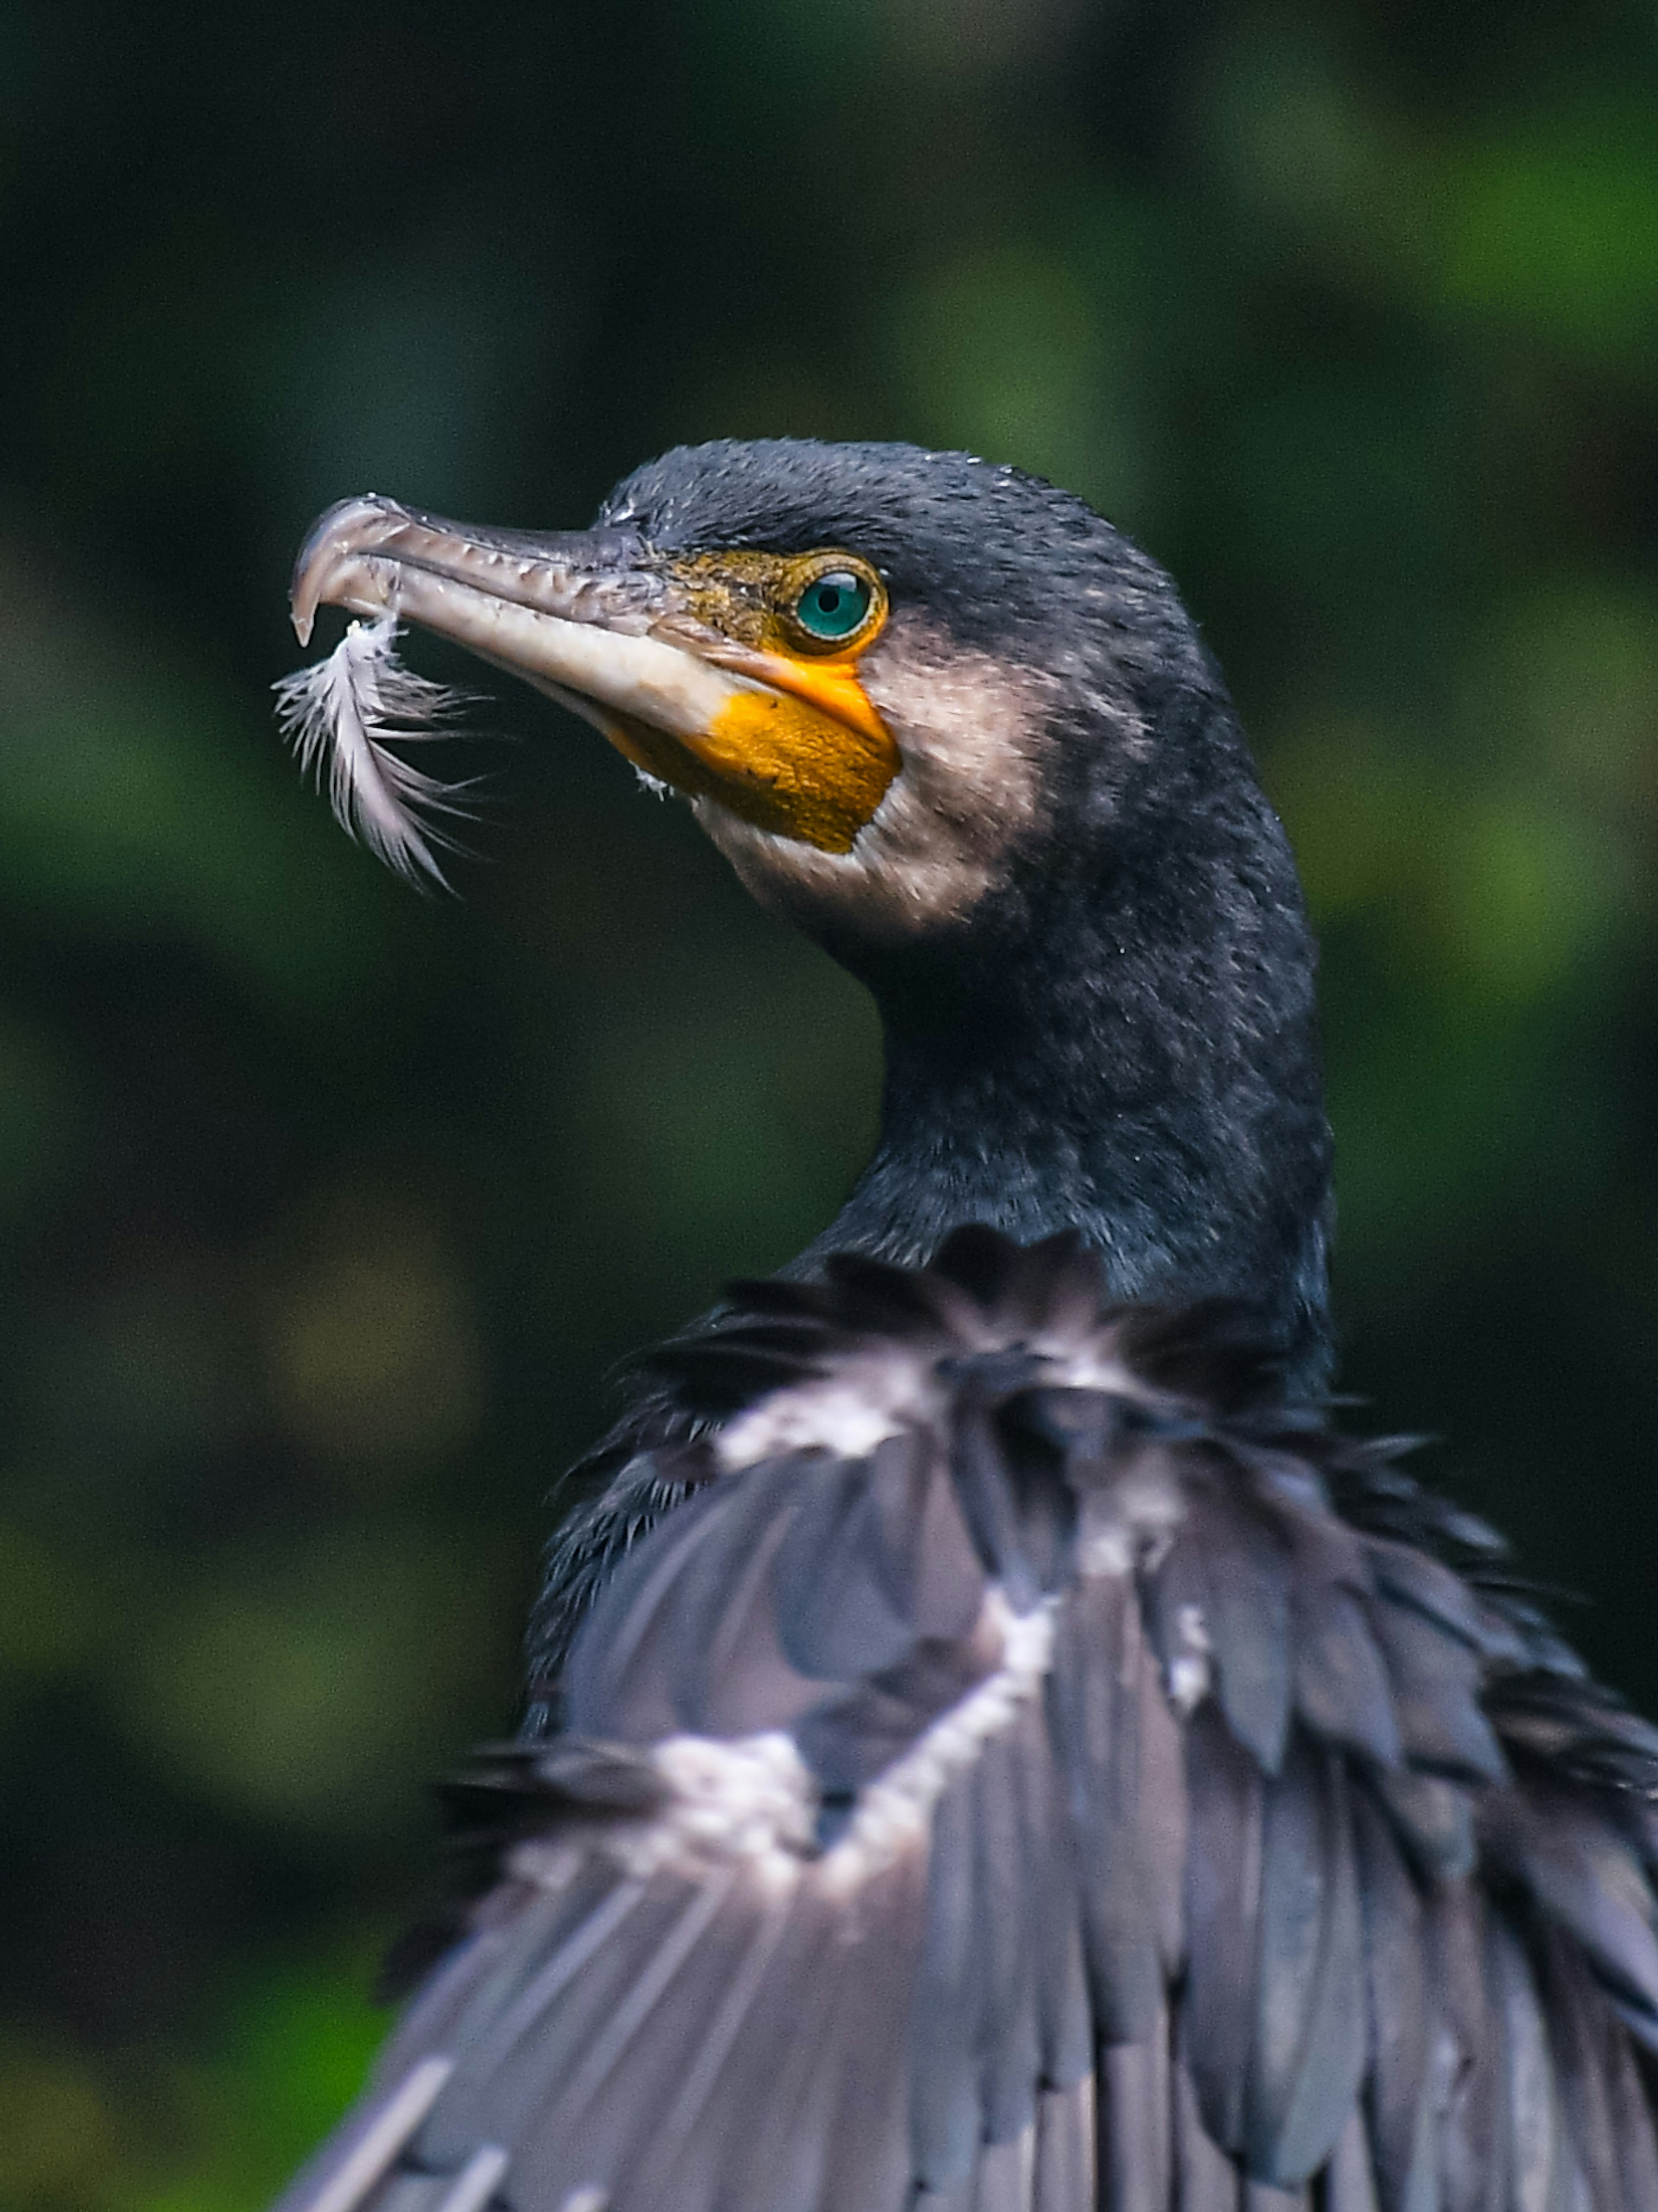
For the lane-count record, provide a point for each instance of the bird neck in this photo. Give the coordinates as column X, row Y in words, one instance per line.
column 1137, row 1059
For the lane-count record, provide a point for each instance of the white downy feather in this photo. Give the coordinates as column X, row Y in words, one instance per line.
column 340, row 714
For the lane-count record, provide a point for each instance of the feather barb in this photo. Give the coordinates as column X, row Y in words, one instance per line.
column 343, row 716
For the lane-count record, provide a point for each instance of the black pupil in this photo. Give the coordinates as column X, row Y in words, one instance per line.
column 834, row 605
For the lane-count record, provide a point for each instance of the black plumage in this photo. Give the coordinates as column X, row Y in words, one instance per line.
column 1119, row 1035
column 1016, row 1907
column 994, row 1744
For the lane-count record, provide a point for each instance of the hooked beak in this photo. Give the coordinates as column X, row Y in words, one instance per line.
column 567, row 612
column 795, row 750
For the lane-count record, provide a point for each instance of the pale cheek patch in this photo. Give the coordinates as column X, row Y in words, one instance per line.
column 970, row 733
column 344, row 715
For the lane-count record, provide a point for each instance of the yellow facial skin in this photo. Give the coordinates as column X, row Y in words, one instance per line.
column 807, row 756
column 696, row 666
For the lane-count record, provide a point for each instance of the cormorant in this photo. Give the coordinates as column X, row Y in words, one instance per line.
column 994, row 1743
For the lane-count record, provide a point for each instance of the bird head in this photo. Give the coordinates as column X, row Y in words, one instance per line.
column 952, row 724
column 891, row 683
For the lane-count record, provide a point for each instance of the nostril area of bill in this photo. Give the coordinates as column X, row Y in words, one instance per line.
column 368, row 554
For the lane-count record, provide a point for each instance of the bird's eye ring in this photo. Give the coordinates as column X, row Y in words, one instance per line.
column 833, row 606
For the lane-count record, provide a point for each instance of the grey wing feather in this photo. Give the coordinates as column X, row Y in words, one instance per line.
column 1006, row 1781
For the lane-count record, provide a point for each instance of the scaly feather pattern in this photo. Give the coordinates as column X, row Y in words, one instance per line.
column 343, row 715
column 1035, row 1770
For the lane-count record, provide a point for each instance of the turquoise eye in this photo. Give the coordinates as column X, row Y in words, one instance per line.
column 834, row 605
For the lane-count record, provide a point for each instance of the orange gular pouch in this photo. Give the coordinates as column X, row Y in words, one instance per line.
column 777, row 761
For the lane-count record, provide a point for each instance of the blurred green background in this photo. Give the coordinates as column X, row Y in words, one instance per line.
column 324, row 1209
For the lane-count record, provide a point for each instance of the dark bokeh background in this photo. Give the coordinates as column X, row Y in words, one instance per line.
column 324, row 1209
